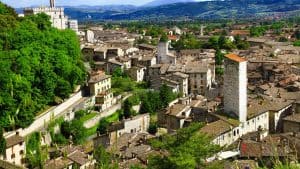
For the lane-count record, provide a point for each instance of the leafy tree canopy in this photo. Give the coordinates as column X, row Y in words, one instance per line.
column 187, row 149
column 38, row 64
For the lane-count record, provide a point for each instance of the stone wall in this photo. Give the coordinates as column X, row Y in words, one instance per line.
column 42, row 120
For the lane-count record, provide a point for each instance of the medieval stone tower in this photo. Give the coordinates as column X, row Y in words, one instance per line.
column 52, row 3
column 235, row 86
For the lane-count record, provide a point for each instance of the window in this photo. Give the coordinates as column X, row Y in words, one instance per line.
column 13, row 156
column 21, row 152
column 234, row 133
column 237, row 131
column 21, row 143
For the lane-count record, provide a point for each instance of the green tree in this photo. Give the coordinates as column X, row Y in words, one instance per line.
column 104, row 160
column 187, row 149
column 152, row 128
column 35, row 154
column 2, row 143
column 128, row 111
column 166, row 95
column 219, row 57
column 103, row 125
column 38, row 64
column 74, row 130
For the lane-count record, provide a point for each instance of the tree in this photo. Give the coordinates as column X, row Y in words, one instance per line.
column 219, row 57
column 163, row 38
column 166, row 95
column 39, row 64
column 152, row 128
column 74, row 130
column 187, row 149
column 35, row 154
column 103, row 125
column 2, row 143
column 104, row 160
column 128, row 111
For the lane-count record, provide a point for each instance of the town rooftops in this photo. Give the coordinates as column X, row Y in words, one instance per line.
column 176, row 109
column 14, row 140
column 59, row 163
column 78, row 157
column 216, row 128
column 196, row 67
column 98, row 77
column 293, row 118
column 235, row 58
column 182, row 75
column 240, row 32
column 7, row 165
column 258, row 106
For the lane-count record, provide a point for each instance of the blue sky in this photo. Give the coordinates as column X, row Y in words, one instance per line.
column 24, row 3
column 27, row 3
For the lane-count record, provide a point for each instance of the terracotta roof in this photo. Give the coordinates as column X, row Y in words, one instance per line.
column 240, row 32
column 235, row 58
column 14, row 140
column 216, row 128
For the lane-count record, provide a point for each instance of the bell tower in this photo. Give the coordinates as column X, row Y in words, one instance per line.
column 52, row 3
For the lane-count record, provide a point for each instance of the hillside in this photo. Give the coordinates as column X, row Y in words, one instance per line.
column 164, row 2
column 208, row 10
column 40, row 66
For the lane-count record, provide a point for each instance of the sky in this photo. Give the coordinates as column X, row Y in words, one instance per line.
column 26, row 3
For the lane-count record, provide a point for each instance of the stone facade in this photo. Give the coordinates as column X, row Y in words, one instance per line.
column 57, row 16
column 137, row 124
column 163, row 55
column 15, row 150
column 235, row 86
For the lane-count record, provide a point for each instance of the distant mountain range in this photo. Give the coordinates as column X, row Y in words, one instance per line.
column 180, row 9
column 165, row 2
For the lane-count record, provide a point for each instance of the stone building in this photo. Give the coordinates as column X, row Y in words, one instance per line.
column 201, row 77
column 137, row 73
column 136, row 124
column 291, row 123
column 235, row 86
column 15, row 150
column 100, row 85
column 163, row 55
column 57, row 16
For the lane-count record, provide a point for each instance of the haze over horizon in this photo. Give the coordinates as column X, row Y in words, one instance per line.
column 28, row 3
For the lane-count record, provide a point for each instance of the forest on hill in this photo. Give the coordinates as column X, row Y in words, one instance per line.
column 40, row 66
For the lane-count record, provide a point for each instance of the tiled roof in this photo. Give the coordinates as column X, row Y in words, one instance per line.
column 7, row 165
column 98, row 78
column 216, row 128
column 293, row 118
column 235, row 58
column 14, row 140
column 78, row 157
column 176, row 109
column 59, row 163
